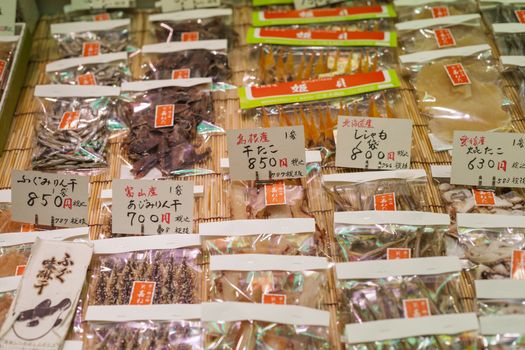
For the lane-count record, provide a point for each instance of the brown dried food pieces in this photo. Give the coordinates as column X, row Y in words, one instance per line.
column 12, row 258
column 5, row 304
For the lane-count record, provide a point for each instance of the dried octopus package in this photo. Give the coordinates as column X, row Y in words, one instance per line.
column 269, row 279
column 76, row 39
column 192, row 25
column 408, row 10
column 455, row 332
column 388, row 289
column 404, row 190
column 162, row 269
column 186, row 59
column 458, row 89
column 510, row 38
column 170, row 122
column 171, row 326
column 379, row 235
column 440, row 33
column 75, row 126
column 269, row 236
column 8, row 287
column 491, row 245
column 502, row 11
column 106, row 69
column 8, row 46
column 250, row 326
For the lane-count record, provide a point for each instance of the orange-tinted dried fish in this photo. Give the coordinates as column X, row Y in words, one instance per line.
column 307, row 127
column 366, row 65
column 319, row 65
column 289, row 65
column 265, row 120
column 388, row 108
column 300, row 69
column 316, row 135
column 336, row 61
column 262, row 64
column 372, row 108
column 309, row 67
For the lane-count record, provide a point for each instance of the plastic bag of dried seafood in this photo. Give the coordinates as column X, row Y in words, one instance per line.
column 234, row 325
column 76, row 39
column 388, row 289
column 408, row 10
column 170, row 124
column 458, row 89
column 269, row 279
column 175, row 326
column 8, row 287
column 378, row 235
column 440, row 33
column 193, row 25
column 404, row 190
column 186, row 59
column 501, row 313
column 515, row 65
column 503, row 11
column 106, row 69
column 454, row 332
column 510, row 38
column 161, row 269
column 7, row 49
column 75, row 126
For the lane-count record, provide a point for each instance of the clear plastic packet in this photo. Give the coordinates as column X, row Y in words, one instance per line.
column 458, row 89
column 161, row 269
column 75, row 127
column 390, row 289
column 8, row 46
column 192, row 25
column 269, row 279
column 188, row 59
column 170, row 123
column 455, row 332
column 269, row 236
column 175, row 326
column 76, row 39
column 515, row 66
column 440, row 33
column 510, row 38
column 378, row 235
column 106, row 69
column 379, row 190
column 502, row 11
column 234, row 325
column 8, row 287
column 408, row 10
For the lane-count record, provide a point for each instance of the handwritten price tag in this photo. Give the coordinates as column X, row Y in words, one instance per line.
column 152, row 207
column 373, row 143
column 50, row 199
column 267, row 153
column 7, row 17
column 488, row 159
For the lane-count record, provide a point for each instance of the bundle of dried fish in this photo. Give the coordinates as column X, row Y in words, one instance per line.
column 247, row 326
column 8, row 287
column 7, row 49
column 498, row 11
column 91, row 38
column 107, row 69
column 408, row 10
column 73, row 131
column 379, row 190
column 378, row 235
column 510, row 38
column 165, row 118
column 458, row 89
column 182, row 60
column 164, row 267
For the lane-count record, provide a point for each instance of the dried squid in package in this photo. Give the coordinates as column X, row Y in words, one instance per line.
column 378, row 235
column 8, row 46
column 502, row 11
column 247, row 326
column 408, row 10
column 8, row 287
column 510, row 38
column 458, row 89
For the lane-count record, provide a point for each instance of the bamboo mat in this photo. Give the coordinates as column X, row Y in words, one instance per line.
column 214, row 204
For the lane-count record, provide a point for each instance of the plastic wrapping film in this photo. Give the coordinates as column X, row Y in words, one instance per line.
column 7, row 49
column 8, row 287
column 458, row 89
column 408, row 10
column 510, row 38
column 515, row 65
column 378, row 235
column 501, row 11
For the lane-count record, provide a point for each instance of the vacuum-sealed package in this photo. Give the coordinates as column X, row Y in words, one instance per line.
column 186, row 59
column 379, row 235
column 492, row 245
column 8, row 46
column 75, row 127
column 250, row 326
column 161, row 269
column 170, row 122
column 510, row 38
column 455, row 332
column 193, row 25
column 106, row 69
column 269, row 279
column 269, row 236
column 440, row 33
column 408, row 10
column 515, row 65
column 503, row 11
column 458, row 89
column 8, row 287
column 170, row 326
column 390, row 289
column 404, row 190
column 76, row 39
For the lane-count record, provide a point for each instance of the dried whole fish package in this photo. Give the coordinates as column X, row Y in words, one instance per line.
column 510, row 38
column 76, row 39
column 497, row 11
column 408, row 10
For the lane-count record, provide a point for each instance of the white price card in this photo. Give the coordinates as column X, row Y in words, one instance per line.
column 152, row 207
column 373, row 143
column 49, row 199
column 493, row 159
column 7, row 17
column 267, row 153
